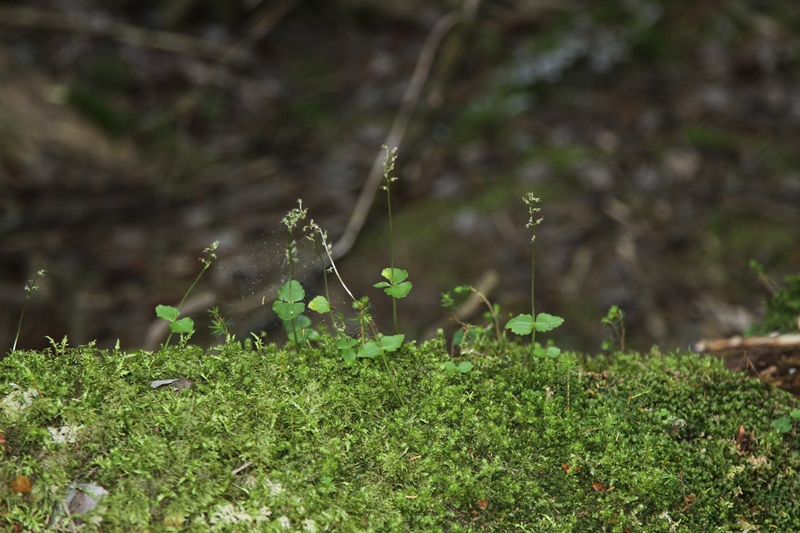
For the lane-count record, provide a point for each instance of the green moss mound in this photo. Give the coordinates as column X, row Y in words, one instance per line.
column 782, row 309
column 271, row 440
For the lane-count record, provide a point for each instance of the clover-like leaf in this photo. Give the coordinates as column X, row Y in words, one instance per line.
column 184, row 325
column 545, row 322
column 291, row 292
column 288, row 311
column 395, row 275
column 390, row 343
column 400, row 290
column 521, row 324
column 167, row 312
column 320, row 304
column 369, row 350
column 345, row 346
column 783, row 425
column 465, row 366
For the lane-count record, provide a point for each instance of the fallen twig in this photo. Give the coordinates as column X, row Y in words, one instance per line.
column 781, row 342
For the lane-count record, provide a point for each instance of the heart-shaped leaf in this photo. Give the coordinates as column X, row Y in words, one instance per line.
column 167, row 312
column 184, row 325
column 320, row 304
column 291, row 292
column 394, row 275
column 288, row 311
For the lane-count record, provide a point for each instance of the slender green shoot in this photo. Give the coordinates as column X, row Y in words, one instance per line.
column 397, row 285
column 185, row 326
column 529, row 324
column 289, row 305
column 29, row 288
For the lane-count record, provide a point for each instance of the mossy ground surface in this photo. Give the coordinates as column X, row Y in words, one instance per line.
column 647, row 443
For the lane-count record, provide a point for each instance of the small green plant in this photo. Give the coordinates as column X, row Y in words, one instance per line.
column 525, row 324
column 289, row 306
column 185, row 326
column 782, row 312
column 615, row 322
column 397, row 285
column 786, row 424
column 29, row 288
column 220, row 327
column 470, row 334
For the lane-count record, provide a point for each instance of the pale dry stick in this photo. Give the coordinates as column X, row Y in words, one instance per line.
column 359, row 215
column 786, row 341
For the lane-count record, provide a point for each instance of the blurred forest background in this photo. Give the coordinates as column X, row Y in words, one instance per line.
column 663, row 137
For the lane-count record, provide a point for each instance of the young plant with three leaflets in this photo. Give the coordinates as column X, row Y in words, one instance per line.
column 185, row 326
column 525, row 324
column 397, row 285
column 289, row 306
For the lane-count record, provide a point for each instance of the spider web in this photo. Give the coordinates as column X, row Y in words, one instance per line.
column 258, row 269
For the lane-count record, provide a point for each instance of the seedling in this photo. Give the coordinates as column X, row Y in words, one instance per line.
column 219, row 326
column 525, row 324
column 185, row 326
column 29, row 288
column 615, row 322
column 469, row 331
column 397, row 287
column 289, row 305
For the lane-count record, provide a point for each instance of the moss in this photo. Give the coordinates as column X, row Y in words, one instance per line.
column 782, row 309
column 265, row 438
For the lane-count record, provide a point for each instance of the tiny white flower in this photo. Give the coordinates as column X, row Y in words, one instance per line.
column 284, row 522
column 309, row 525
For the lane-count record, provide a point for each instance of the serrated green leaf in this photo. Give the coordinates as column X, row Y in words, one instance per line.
column 291, row 292
column 545, row 322
column 394, row 275
column 288, row 311
column 320, row 304
column 349, row 355
column 184, row 325
column 167, row 312
column 392, row 342
column 449, row 366
column 521, row 324
column 795, row 413
column 369, row 350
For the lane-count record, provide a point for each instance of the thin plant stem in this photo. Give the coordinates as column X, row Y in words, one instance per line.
column 206, row 263
column 388, row 167
column 29, row 289
column 534, row 220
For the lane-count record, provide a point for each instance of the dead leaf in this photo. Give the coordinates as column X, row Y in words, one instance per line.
column 21, row 485
column 599, row 487
column 743, row 440
column 566, row 467
column 483, row 504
